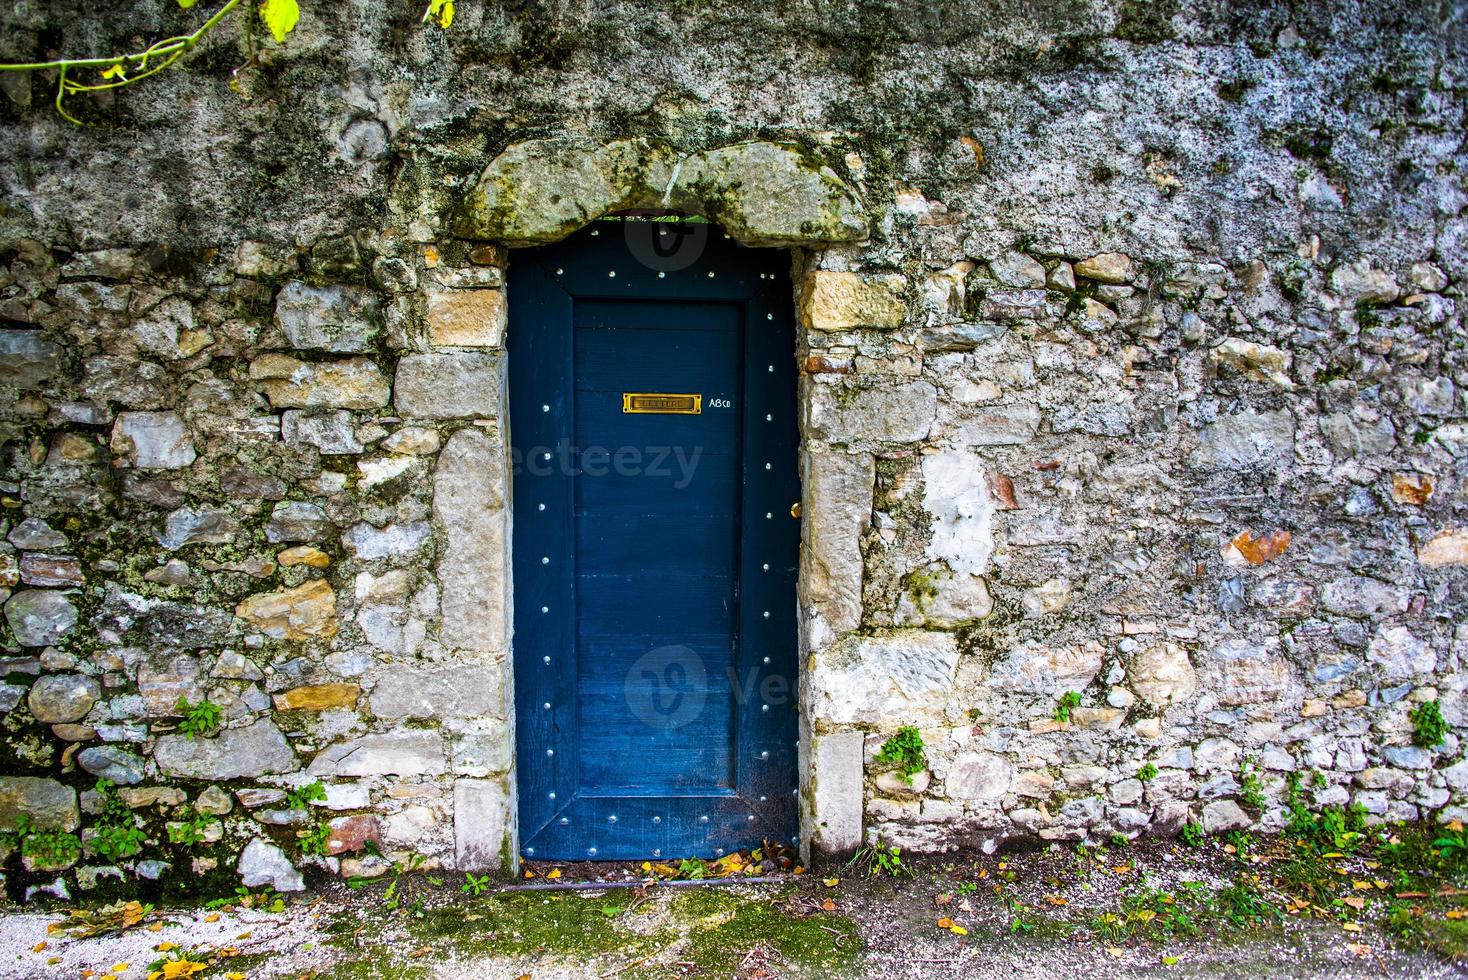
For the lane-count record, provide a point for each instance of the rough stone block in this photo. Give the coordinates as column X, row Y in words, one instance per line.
column 352, row 382
column 306, row 611
column 838, row 508
column 466, row 691
column 878, row 679
column 234, row 753
column 836, row 795
column 49, row 805
column 467, row 318
column 153, row 440
column 956, row 497
column 1448, row 547
column 263, row 863
column 1029, row 668
column 337, row 318
column 466, row 384
column 28, row 358
column 483, row 834
column 1162, row 675
column 468, row 504
column 333, row 433
column 979, row 776
column 61, row 698
column 403, row 752
column 318, row 697
column 1247, row 439
column 39, row 617
column 850, row 300
column 367, row 543
column 1108, row 267
column 892, row 413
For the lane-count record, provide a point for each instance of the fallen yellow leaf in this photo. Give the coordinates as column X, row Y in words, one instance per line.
column 553, row 873
column 212, row 917
column 830, row 882
column 1114, row 951
column 1352, row 927
column 945, row 923
column 1171, row 960
column 165, row 946
column 120, row 967
column 1364, row 886
column 38, row 946
column 958, row 930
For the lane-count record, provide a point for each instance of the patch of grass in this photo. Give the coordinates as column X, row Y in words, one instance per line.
column 1447, row 938
column 1192, row 834
column 724, row 926
column 715, row 928
column 529, row 923
column 1243, row 904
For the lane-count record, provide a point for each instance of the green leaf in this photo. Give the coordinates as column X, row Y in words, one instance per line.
column 186, row 4
column 444, row 9
column 280, row 16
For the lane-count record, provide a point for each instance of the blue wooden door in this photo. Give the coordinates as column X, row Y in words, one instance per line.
column 652, row 419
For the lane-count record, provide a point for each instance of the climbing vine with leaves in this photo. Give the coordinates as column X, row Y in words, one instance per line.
column 120, row 70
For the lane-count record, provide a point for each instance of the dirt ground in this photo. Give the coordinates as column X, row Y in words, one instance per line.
column 1140, row 911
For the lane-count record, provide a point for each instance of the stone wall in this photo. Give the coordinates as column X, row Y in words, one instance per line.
column 276, row 483
column 1132, row 367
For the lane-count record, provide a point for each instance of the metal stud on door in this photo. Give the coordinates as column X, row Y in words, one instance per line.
column 653, row 425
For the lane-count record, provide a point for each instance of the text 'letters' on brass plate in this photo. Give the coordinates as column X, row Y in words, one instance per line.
column 639, row 403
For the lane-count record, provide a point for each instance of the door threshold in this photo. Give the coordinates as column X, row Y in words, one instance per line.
column 582, row 886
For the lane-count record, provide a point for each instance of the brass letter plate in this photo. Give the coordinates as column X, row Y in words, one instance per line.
column 640, row 403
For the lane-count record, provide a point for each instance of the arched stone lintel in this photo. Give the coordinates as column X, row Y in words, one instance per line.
column 761, row 193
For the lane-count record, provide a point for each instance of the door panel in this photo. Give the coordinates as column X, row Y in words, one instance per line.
column 654, row 554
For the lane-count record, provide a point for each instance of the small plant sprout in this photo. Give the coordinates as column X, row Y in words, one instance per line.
column 904, row 751
column 202, row 719
column 1191, row 834
column 1251, row 786
column 881, row 860
column 1147, row 773
column 1068, row 702
column 303, row 796
column 473, row 885
column 1428, row 727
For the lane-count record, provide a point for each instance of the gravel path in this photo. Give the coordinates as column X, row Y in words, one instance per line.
column 671, row 933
